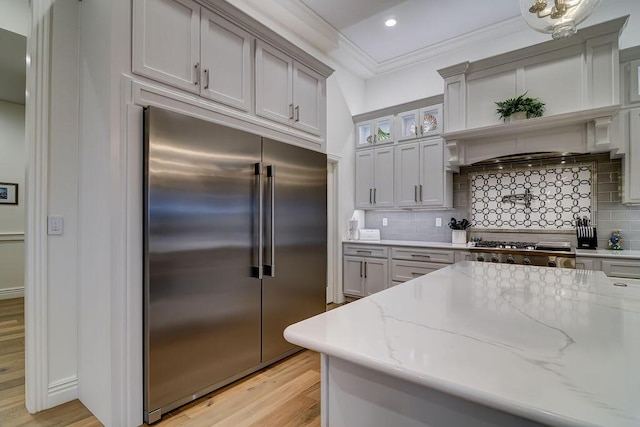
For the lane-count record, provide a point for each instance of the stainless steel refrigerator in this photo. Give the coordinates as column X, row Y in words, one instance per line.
column 235, row 251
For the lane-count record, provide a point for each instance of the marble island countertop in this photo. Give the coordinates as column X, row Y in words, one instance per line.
column 556, row 346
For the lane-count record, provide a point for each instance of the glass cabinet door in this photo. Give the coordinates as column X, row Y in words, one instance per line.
column 430, row 120
column 364, row 134
column 635, row 81
column 408, row 125
column 383, row 130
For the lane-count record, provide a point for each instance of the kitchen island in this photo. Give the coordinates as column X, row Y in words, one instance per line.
column 482, row 344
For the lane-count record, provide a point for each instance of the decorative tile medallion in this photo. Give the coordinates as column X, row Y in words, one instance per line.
column 537, row 198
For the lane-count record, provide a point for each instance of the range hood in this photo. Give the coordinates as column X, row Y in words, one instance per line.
column 577, row 78
column 525, row 157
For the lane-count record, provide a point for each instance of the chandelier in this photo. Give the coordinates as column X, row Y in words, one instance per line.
column 558, row 17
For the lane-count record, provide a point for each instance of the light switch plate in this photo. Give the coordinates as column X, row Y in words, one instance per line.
column 385, row 222
column 438, row 222
column 55, row 225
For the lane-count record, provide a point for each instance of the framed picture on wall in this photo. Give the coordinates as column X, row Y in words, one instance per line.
column 8, row 193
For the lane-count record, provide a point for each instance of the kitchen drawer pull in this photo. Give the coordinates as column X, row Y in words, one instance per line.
column 363, row 252
column 421, row 192
column 374, row 196
column 420, row 256
column 206, row 78
column 197, row 68
column 413, row 273
column 370, row 196
column 415, row 193
column 290, row 111
column 365, row 269
column 297, row 110
column 361, row 268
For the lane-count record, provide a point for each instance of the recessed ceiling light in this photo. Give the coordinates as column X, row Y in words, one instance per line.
column 391, row 22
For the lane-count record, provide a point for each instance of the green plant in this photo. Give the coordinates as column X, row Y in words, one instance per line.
column 532, row 106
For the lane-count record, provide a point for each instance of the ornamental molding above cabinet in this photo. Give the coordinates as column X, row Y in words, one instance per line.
column 577, row 78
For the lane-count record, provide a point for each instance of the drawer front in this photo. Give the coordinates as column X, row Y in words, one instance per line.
column 366, row 251
column 424, row 255
column 619, row 268
column 402, row 271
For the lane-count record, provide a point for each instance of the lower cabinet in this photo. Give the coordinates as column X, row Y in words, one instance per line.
column 368, row 269
column 364, row 276
column 612, row 267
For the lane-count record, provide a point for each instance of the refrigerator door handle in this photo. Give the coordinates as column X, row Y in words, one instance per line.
column 257, row 269
column 270, row 268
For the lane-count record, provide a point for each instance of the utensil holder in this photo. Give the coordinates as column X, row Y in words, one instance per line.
column 459, row 237
column 587, row 237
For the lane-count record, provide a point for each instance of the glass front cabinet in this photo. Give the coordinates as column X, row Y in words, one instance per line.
column 419, row 123
column 375, row 132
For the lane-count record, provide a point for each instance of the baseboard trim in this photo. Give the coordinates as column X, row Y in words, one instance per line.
column 10, row 293
column 62, row 391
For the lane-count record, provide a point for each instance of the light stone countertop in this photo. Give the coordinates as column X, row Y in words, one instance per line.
column 411, row 243
column 605, row 253
column 557, row 346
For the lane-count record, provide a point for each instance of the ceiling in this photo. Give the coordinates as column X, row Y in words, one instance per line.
column 13, row 67
column 421, row 23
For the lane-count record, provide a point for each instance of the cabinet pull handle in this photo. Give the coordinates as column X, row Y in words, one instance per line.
column 206, row 78
column 297, row 115
column 374, row 196
column 420, row 256
column 415, row 193
column 290, row 111
column 421, row 192
column 370, row 196
column 413, row 273
column 375, row 138
column 361, row 269
column 197, row 69
column 421, row 130
column 363, row 252
column 365, row 269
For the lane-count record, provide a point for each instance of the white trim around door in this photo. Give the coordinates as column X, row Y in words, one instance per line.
column 334, row 247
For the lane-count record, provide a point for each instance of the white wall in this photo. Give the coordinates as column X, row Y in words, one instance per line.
column 12, row 170
column 62, row 313
column 14, row 16
column 422, row 80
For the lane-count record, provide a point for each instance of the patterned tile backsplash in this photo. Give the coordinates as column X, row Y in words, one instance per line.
column 534, row 198
column 608, row 213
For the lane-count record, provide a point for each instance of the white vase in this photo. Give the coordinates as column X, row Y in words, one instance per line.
column 459, row 237
column 520, row 115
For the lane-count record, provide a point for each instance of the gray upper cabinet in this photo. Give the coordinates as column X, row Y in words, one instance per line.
column 287, row 91
column 419, row 123
column 375, row 132
column 166, row 42
column 226, row 62
column 420, row 176
column 374, row 178
column 220, row 54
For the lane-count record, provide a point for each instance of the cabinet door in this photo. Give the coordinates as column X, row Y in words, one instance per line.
column 274, row 73
column 308, row 98
column 632, row 160
column 408, row 125
column 364, row 134
column 226, row 62
column 364, row 178
column 383, row 132
column 431, row 120
column 376, row 275
column 383, row 178
column 166, row 41
column 432, row 170
column 353, row 283
column 407, row 174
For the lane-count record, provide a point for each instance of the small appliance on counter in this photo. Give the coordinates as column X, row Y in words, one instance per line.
column 356, row 223
column 369, row 235
column 587, row 235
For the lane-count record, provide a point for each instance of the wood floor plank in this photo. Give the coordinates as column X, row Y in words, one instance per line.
column 284, row 394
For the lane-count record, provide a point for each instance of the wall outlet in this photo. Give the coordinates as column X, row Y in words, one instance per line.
column 55, row 225
column 385, row 222
column 438, row 222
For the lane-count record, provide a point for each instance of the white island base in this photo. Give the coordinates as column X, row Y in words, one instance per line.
column 355, row 396
column 478, row 344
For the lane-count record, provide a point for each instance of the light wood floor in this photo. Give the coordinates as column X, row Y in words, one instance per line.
column 285, row 394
